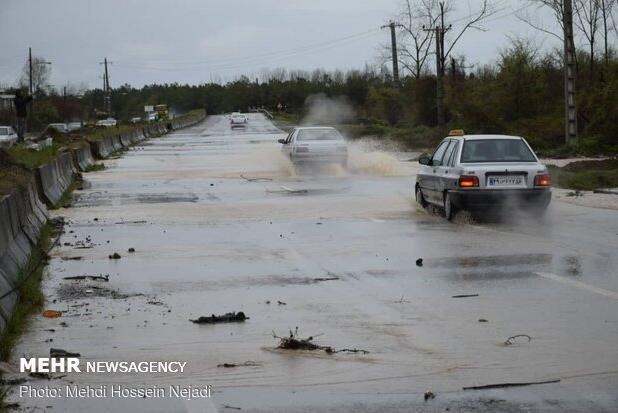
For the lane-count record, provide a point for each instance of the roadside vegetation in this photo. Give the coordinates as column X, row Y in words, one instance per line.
column 587, row 175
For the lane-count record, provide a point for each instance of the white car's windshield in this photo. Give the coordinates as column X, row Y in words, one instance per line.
column 496, row 150
column 319, row 135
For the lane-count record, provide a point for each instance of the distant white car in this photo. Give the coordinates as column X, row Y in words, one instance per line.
column 238, row 119
column 136, row 120
column 60, row 127
column 483, row 172
column 315, row 144
column 153, row 117
column 73, row 126
column 8, row 137
column 107, row 122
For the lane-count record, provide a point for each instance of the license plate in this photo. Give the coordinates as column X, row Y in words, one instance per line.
column 508, row 181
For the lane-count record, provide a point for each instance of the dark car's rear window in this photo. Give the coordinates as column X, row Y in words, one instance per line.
column 496, row 150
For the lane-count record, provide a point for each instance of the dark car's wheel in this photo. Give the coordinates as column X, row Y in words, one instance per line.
column 420, row 199
column 449, row 208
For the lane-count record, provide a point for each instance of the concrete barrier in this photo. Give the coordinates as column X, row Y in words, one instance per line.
column 21, row 219
column 103, row 148
column 116, row 143
column 125, row 140
column 82, row 158
column 55, row 177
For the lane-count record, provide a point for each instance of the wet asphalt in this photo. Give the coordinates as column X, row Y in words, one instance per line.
column 333, row 253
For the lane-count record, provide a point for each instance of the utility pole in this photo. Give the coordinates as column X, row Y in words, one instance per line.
column 107, row 98
column 29, row 117
column 64, row 103
column 30, row 68
column 570, row 107
column 440, row 66
column 392, row 25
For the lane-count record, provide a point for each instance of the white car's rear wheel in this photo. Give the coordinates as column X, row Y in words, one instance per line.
column 449, row 208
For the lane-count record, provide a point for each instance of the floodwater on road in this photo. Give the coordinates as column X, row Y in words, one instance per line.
column 221, row 222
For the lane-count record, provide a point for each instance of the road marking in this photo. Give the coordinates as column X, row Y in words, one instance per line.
column 579, row 284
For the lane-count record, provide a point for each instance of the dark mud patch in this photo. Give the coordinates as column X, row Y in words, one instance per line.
column 491, row 275
column 166, row 199
column 489, row 261
column 76, row 291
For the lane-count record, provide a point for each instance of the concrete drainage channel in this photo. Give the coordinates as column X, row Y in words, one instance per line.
column 24, row 212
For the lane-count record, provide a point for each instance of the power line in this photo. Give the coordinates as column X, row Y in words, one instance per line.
column 284, row 52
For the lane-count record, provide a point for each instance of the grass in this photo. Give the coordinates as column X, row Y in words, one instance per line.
column 67, row 197
column 12, row 175
column 587, row 175
column 31, row 158
column 96, row 167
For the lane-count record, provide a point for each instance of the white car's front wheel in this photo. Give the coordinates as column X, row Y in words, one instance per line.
column 420, row 199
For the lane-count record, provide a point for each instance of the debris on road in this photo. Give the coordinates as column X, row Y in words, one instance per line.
column 465, row 296
column 293, row 342
column 89, row 277
column 401, row 301
column 238, row 317
column 131, row 222
column 513, row 339
column 281, row 303
column 483, row 320
column 429, row 395
column 255, row 179
column 131, row 250
column 226, row 406
column 419, row 262
column 322, row 279
column 115, row 256
column 245, row 364
column 71, row 258
column 503, row 385
column 575, row 194
column 52, row 314
column 60, row 353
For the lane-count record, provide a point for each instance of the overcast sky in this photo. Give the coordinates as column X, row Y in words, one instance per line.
column 196, row 41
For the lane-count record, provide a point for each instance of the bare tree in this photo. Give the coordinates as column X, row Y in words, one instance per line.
column 607, row 7
column 471, row 21
column 41, row 72
column 588, row 14
column 415, row 41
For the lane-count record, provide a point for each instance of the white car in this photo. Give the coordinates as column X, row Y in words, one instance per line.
column 483, row 172
column 8, row 136
column 73, row 126
column 107, row 122
column 238, row 119
column 136, row 120
column 315, row 144
column 60, row 127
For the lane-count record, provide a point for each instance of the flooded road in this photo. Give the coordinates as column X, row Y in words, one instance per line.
column 221, row 222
